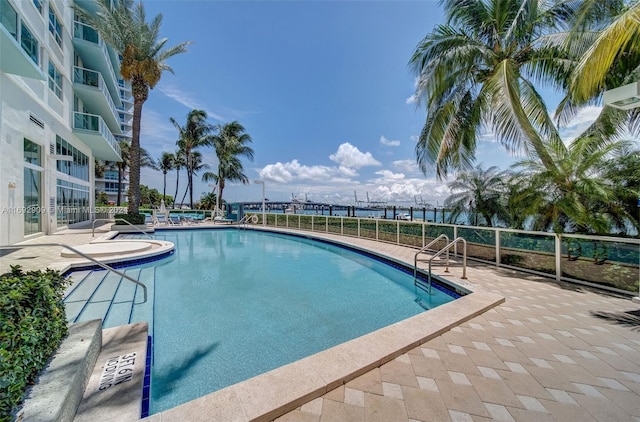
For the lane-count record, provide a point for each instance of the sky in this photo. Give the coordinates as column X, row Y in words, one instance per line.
column 322, row 87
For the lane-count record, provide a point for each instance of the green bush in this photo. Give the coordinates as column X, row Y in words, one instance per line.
column 32, row 326
column 131, row 218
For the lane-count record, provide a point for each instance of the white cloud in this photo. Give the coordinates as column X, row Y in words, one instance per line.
column 412, row 99
column 293, row 171
column 407, row 166
column 351, row 157
column 389, row 143
column 581, row 121
column 389, row 175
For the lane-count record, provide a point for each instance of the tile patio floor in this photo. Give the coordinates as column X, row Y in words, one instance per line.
column 549, row 353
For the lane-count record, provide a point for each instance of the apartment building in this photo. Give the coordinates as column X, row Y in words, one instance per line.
column 62, row 106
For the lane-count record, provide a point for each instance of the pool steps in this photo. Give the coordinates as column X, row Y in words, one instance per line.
column 99, row 294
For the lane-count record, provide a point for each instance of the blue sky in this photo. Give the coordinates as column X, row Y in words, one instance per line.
column 322, row 87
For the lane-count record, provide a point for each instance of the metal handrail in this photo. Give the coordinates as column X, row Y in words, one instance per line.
column 93, row 226
column 446, row 249
column 424, row 248
column 82, row 254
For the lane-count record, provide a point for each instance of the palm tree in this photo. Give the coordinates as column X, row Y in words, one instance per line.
column 615, row 46
column 195, row 165
column 482, row 193
column 575, row 196
column 230, row 143
column 207, row 201
column 165, row 164
column 178, row 164
column 194, row 134
column 477, row 72
column 123, row 25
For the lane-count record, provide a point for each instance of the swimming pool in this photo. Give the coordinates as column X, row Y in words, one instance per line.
column 231, row 304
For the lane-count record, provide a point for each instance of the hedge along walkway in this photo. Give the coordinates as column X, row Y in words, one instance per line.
column 550, row 352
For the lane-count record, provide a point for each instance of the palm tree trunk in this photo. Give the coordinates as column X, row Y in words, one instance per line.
column 175, row 197
column 134, row 159
column 164, row 185
column 220, row 189
column 185, row 194
column 191, row 190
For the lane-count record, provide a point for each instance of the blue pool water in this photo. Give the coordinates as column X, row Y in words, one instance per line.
column 231, row 304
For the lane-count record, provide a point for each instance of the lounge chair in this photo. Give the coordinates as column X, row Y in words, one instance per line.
column 189, row 220
column 161, row 220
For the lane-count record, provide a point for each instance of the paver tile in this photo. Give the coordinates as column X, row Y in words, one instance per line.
column 370, row 382
column 567, row 412
column 494, row 391
column 333, row 411
column 383, row 409
column 462, row 398
column 424, row 405
column 398, row 373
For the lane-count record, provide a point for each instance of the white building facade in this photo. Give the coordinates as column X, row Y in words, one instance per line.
column 62, row 106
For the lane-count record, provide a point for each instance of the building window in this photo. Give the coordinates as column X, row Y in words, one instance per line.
column 78, row 167
column 32, row 209
column 72, row 202
column 29, row 43
column 55, row 80
column 32, row 153
column 55, row 27
column 32, row 183
column 39, row 5
column 111, row 175
column 111, row 187
column 9, row 18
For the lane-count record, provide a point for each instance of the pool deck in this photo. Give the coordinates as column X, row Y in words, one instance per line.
column 549, row 352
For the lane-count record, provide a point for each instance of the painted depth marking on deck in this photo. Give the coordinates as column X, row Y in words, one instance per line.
column 117, row 370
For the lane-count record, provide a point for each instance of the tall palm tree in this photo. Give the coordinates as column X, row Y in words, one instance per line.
column 478, row 72
column 230, row 143
column 123, row 25
column 165, row 164
column 194, row 134
column 178, row 164
column 482, row 193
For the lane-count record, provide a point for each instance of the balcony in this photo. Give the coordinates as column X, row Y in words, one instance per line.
column 14, row 59
column 94, row 53
column 90, row 87
column 94, row 132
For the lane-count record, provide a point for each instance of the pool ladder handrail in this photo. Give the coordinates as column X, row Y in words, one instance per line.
column 115, row 220
column 446, row 250
column 82, row 254
column 423, row 250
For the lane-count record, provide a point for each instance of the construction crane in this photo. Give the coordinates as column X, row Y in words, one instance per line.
column 422, row 202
